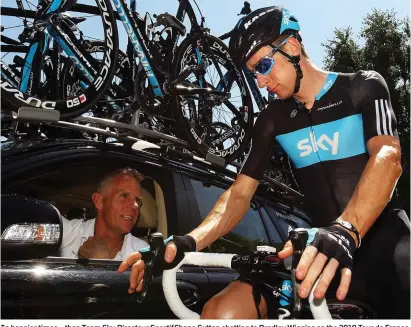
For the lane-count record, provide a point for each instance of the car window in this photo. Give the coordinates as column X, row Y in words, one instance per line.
column 69, row 186
column 287, row 219
column 249, row 233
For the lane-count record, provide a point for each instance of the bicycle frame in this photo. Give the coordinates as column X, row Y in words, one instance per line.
column 136, row 39
column 35, row 55
column 81, row 62
column 259, row 99
column 138, row 44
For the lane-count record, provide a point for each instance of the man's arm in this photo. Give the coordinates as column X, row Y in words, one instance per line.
column 377, row 183
column 228, row 210
column 226, row 213
column 370, row 197
column 234, row 203
column 371, row 96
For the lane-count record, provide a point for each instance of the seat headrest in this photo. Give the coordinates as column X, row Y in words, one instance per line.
column 148, row 212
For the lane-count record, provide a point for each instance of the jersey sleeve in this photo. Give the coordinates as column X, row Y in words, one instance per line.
column 262, row 145
column 371, row 96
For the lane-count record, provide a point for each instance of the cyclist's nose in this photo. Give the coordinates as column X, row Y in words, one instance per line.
column 262, row 81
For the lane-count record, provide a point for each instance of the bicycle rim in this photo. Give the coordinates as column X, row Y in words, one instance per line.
column 226, row 130
column 75, row 22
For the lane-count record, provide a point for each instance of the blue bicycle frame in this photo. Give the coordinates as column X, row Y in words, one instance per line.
column 40, row 45
column 75, row 55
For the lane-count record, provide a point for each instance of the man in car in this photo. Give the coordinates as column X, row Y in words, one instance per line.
column 340, row 132
column 118, row 203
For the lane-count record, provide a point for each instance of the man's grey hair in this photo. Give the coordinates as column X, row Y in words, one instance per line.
column 127, row 171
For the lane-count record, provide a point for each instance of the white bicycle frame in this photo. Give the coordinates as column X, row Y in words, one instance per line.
column 318, row 308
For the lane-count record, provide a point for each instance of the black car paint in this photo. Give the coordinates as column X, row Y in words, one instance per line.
column 73, row 288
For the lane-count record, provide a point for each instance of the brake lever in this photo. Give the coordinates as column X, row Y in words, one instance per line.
column 298, row 237
column 151, row 259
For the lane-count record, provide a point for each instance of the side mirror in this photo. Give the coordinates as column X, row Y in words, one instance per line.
column 30, row 228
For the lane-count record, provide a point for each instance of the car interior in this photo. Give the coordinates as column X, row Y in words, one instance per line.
column 72, row 196
column 153, row 216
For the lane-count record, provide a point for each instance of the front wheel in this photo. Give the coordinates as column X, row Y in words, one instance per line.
column 33, row 58
column 216, row 124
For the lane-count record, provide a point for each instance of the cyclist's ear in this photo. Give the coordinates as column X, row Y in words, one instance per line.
column 293, row 46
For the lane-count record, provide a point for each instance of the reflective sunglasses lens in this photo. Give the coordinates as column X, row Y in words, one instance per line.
column 264, row 66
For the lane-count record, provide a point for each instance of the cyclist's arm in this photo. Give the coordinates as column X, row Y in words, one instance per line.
column 383, row 169
column 227, row 212
column 234, row 203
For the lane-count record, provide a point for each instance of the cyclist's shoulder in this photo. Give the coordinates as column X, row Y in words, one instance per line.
column 364, row 84
column 365, row 79
column 274, row 104
column 275, row 110
column 271, row 116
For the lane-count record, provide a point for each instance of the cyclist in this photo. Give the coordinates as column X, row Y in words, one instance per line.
column 339, row 131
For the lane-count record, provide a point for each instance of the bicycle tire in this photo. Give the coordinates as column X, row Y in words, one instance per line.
column 188, row 130
column 76, row 105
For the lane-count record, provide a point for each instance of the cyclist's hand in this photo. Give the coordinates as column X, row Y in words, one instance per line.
column 175, row 247
column 332, row 243
column 136, row 263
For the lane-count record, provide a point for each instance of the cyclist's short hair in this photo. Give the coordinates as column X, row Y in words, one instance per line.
column 281, row 38
column 127, row 171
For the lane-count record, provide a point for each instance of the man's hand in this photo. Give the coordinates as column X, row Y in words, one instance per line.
column 95, row 248
column 184, row 243
column 137, row 266
column 332, row 243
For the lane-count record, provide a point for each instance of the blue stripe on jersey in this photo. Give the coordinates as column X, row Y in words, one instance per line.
column 327, row 85
column 335, row 140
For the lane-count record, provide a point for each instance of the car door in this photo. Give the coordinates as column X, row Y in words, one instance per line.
column 250, row 232
column 70, row 288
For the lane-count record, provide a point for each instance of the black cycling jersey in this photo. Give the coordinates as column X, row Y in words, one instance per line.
column 327, row 145
column 328, row 149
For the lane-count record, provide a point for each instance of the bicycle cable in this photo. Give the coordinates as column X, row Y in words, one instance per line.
column 201, row 14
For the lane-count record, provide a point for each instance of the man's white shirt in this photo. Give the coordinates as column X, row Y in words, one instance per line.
column 77, row 231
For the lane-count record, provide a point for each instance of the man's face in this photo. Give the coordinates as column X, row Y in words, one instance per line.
column 281, row 79
column 119, row 204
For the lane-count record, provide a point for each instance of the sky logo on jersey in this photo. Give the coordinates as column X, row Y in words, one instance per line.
column 335, row 140
column 330, row 80
column 369, row 75
column 307, row 146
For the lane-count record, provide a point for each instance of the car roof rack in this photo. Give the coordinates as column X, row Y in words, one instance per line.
column 168, row 145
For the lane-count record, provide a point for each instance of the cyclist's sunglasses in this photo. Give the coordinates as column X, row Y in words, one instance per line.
column 266, row 63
